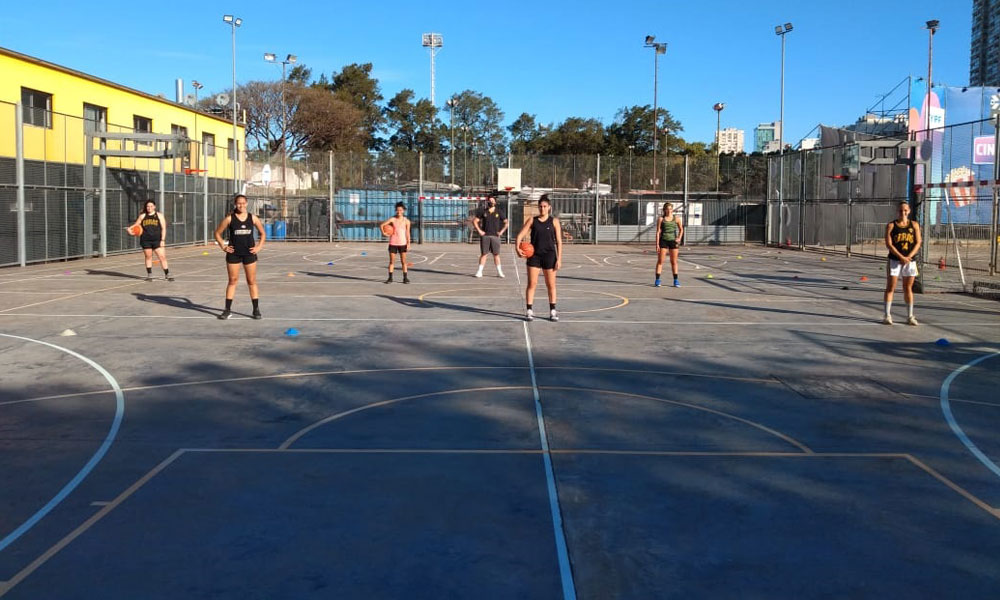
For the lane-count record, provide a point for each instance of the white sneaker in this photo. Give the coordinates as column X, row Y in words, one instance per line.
column 553, row 315
column 911, row 320
column 887, row 320
column 529, row 315
column 479, row 273
column 500, row 274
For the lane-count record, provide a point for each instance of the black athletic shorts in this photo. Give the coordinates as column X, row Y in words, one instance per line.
column 149, row 244
column 235, row 259
column 396, row 249
column 545, row 261
column 669, row 245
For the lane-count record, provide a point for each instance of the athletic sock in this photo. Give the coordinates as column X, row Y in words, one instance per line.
column 909, row 309
column 888, row 308
column 255, row 301
column 149, row 270
column 229, row 303
column 529, row 306
column 166, row 272
column 552, row 305
column 675, row 276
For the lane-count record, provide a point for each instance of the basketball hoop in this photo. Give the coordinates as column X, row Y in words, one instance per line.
column 194, row 171
column 837, row 177
column 508, row 188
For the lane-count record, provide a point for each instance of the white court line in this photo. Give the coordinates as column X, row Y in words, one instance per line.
column 955, row 427
column 591, row 260
column 562, row 552
column 439, row 256
column 97, row 456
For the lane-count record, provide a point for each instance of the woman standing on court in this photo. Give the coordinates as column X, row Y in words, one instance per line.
column 153, row 238
column 241, row 249
column 903, row 239
column 399, row 239
column 669, row 230
column 545, row 234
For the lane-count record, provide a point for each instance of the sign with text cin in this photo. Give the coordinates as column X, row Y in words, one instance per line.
column 983, row 149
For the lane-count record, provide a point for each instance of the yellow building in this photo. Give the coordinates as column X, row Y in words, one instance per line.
column 61, row 104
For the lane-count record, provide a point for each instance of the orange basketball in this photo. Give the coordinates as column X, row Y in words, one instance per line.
column 527, row 250
column 388, row 229
column 135, row 230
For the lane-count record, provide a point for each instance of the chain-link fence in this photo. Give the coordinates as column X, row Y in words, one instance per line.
column 62, row 211
column 829, row 199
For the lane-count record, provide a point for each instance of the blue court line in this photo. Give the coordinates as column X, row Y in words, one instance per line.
column 565, row 570
column 946, row 408
column 96, row 458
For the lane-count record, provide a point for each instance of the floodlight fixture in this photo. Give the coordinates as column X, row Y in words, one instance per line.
column 227, row 18
column 788, row 26
column 933, row 24
column 196, row 85
column 291, row 58
column 649, row 39
column 777, row 30
column 269, row 57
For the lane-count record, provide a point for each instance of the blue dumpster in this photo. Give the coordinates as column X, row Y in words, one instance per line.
column 280, row 228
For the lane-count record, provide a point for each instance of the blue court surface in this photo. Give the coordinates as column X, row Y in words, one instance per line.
column 754, row 433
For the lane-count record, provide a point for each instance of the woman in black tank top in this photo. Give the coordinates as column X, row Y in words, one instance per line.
column 902, row 239
column 153, row 238
column 545, row 234
column 241, row 249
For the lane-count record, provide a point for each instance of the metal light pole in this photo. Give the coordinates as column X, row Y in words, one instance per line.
column 630, row 147
column 290, row 59
column 451, row 165
column 718, row 142
column 781, row 32
column 197, row 86
column 433, row 41
column 932, row 27
column 465, row 156
column 234, row 22
column 658, row 49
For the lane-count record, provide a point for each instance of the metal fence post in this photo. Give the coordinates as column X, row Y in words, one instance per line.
column 420, row 194
column 686, row 188
column 597, row 196
column 161, row 197
column 103, row 207
column 204, row 179
column 802, row 198
column 329, row 211
column 22, row 247
column 996, row 195
column 767, row 205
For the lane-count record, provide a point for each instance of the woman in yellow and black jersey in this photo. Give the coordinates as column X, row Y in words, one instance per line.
column 241, row 249
column 902, row 239
column 153, row 238
column 669, row 231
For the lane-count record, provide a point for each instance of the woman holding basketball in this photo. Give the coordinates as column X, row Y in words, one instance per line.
column 241, row 249
column 398, row 230
column 152, row 238
column 545, row 234
column 669, row 230
column 902, row 239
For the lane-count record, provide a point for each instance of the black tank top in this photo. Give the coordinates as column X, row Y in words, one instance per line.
column 241, row 236
column 151, row 227
column 543, row 235
column 902, row 238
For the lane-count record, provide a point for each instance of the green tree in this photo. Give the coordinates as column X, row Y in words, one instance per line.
column 414, row 126
column 483, row 118
column 633, row 126
column 576, row 135
column 355, row 85
column 524, row 134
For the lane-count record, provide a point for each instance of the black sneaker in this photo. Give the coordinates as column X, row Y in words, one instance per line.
column 226, row 314
column 388, row 280
column 149, row 277
column 406, row 279
column 168, row 278
column 257, row 315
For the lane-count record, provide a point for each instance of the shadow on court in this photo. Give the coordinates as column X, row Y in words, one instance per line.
column 179, row 302
column 114, row 274
column 418, row 303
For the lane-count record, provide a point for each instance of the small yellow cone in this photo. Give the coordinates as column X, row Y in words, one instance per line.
column 67, row 333
column 291, row 274
column 740, row 257
column 709, row 276
column 823, row 259
column 204, row 253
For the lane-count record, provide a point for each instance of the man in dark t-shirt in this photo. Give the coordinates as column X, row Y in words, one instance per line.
column 491, row 223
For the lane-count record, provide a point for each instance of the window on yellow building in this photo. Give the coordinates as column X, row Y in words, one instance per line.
column 208, row 140
column 178, row 130
column 142, row 125
column 230, row 149
column 95, row 118
column 37, row 107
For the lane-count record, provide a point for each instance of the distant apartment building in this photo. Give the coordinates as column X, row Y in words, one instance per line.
column 766, row 135
column 730, row 140
column 984, row 61
column 808, row 143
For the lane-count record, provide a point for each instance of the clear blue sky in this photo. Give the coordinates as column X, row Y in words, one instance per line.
column 552, row 59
